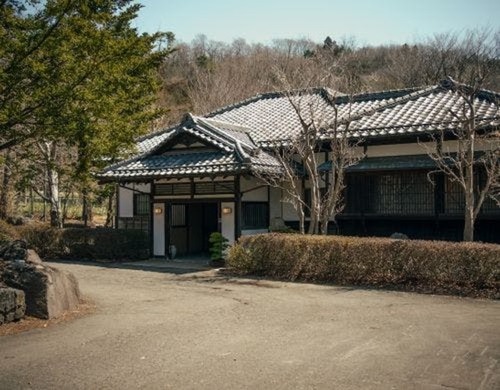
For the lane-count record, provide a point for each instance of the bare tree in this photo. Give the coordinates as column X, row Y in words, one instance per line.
column 459, row 55
column 322, row 127
column 462, row 164
column 288, row 178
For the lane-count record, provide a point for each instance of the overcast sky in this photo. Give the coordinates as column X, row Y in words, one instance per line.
column 371, row 22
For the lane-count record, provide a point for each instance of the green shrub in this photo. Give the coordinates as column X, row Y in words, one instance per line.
column 218, row 245
column 81, row 244
column 433, row 266
column 110, row 244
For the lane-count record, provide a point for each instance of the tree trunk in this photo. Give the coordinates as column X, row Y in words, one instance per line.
column 469, row 211
column 87, row 215
column 109, row 211
column 4, row 196
column 324, row 226
column 469, row 183
column 52, row 194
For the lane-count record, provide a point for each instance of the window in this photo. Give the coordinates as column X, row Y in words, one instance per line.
column 215, row 187
column 141, row 204
column 255, row 215
column 391, row 193
column 178, row 215
column 173, row 189
column 200, row 188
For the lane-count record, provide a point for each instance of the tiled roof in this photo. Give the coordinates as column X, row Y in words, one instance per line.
column 242, row 129
column 273, row 118
column 229, row 150
column 151, row 141
column 198, row 164
column 186, row 164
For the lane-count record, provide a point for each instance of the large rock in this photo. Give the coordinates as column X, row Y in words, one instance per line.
column 12, row 306
column 14, row 250
column 48, row 291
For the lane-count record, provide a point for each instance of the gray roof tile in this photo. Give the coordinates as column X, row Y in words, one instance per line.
column 240, row 130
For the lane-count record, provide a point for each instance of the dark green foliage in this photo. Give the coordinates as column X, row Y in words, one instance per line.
column 431, row 266
column 110, row 244
column 218, row 245
column 82, row 244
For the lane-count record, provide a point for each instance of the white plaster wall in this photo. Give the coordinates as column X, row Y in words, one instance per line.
column 397, row 149
column 421, row 148
column 126, row 198
column 275, row 205
column 159, row 230
column 480, row 144
column 289, row 212
column 125, row 202
column 227, row 222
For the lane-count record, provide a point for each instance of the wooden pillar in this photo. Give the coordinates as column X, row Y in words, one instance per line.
column 268, row 206
column 237, row 208
column 117, row 204
column 151, row 217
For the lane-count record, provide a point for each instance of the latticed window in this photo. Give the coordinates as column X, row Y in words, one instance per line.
column 141, row 204
column 255, row 215
column 403, row 193
column 394, row 193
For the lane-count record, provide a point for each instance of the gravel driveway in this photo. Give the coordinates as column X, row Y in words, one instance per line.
column 159, row 330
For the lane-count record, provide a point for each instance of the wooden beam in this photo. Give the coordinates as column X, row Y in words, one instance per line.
column 237, row 208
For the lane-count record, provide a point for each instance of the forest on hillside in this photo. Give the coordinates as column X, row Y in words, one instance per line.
column 79, row 83
column 203, row 75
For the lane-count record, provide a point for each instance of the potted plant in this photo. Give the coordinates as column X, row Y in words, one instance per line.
column 218, row 246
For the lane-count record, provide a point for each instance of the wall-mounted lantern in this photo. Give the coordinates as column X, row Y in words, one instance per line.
column 158, row 210
column 227, row 210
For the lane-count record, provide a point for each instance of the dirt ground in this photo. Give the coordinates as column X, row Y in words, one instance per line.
column 188, row 330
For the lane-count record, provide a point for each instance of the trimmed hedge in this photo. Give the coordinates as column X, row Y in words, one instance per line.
column 471, row 269
column 81, row 244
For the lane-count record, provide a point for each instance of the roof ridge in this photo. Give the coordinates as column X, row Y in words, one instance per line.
column 380, row 94
column 266, row 95
column 238, row 127
column 450, row 84
column 223, row 133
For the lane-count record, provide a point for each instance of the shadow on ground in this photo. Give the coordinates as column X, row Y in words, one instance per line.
column 178, row 267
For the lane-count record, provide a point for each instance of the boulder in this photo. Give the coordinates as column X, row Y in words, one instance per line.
column 32, row 257
column 14, row 250
column 48, row 291
column 12, row 306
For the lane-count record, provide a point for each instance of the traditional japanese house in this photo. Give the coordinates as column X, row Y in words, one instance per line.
column 202, row 175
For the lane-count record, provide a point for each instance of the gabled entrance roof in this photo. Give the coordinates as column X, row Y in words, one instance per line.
column 220, row 149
